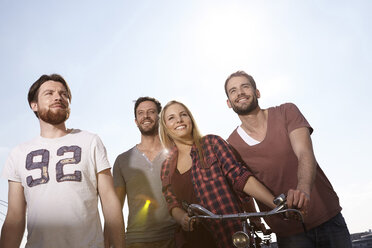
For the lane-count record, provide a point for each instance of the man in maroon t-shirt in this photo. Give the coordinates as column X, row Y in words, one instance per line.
column 275, row 144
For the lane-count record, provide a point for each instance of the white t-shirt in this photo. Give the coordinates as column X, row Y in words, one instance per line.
column 248, row 139
column 59, row 177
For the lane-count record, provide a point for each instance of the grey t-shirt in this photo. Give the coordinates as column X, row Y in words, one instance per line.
column 148, row 219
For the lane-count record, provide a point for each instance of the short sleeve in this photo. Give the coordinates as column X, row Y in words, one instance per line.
column 117, row 175
column 294, row 118
column 10, row 168
column 99, row 155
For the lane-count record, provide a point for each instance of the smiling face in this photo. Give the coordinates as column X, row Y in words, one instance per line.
column 178, row 122
column 147, row 118
column 242, row 97
column 52, row 104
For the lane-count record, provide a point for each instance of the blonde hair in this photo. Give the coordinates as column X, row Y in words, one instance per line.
column 168, row 141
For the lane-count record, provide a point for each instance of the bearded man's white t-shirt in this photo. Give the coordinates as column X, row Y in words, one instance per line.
column 59, row 177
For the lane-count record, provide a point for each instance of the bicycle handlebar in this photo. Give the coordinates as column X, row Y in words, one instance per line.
column 199, row 212
column 206, row 214
column 242, row 238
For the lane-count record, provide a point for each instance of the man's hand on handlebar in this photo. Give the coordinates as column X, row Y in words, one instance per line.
column 298, row 199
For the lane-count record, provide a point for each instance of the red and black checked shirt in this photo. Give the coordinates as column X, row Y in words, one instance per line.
column 218, row 184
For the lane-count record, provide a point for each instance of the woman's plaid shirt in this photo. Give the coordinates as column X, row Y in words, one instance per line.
column 218, row 184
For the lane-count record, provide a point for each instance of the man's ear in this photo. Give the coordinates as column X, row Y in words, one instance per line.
column 228, row 103
column 135, row 120
column 258, row 93
column 34, row 106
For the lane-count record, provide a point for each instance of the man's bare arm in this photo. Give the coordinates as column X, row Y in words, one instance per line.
column 14, row 224
column 303, row 148
column 112, row 211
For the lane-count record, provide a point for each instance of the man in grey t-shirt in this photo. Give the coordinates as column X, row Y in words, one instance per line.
column 137, row 176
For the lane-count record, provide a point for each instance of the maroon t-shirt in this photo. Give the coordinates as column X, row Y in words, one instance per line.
column 275, row 164
column 200, row 237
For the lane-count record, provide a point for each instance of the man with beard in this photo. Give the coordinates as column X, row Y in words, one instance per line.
column 137, row 176
column 58, row 177
column 275, row 144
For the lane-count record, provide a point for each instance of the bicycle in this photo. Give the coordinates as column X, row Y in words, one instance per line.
column 248, row 237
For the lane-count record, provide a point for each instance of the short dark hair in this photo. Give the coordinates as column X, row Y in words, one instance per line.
column 144, row 99
column 34, row 89
column 240, row 74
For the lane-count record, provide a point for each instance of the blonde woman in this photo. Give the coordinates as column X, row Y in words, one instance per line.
column 203, row 170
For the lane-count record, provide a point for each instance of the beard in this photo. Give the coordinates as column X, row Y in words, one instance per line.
column 54, row 117
column 150, row 131
column 245, row 109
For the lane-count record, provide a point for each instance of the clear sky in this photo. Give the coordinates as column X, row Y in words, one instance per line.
column 316, row 54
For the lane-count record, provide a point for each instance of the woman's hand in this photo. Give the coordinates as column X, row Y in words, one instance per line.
column 186, row 224
column 183, row 219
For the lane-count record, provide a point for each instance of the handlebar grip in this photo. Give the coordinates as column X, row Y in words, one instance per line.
column 185, row 207
column 280, row 199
